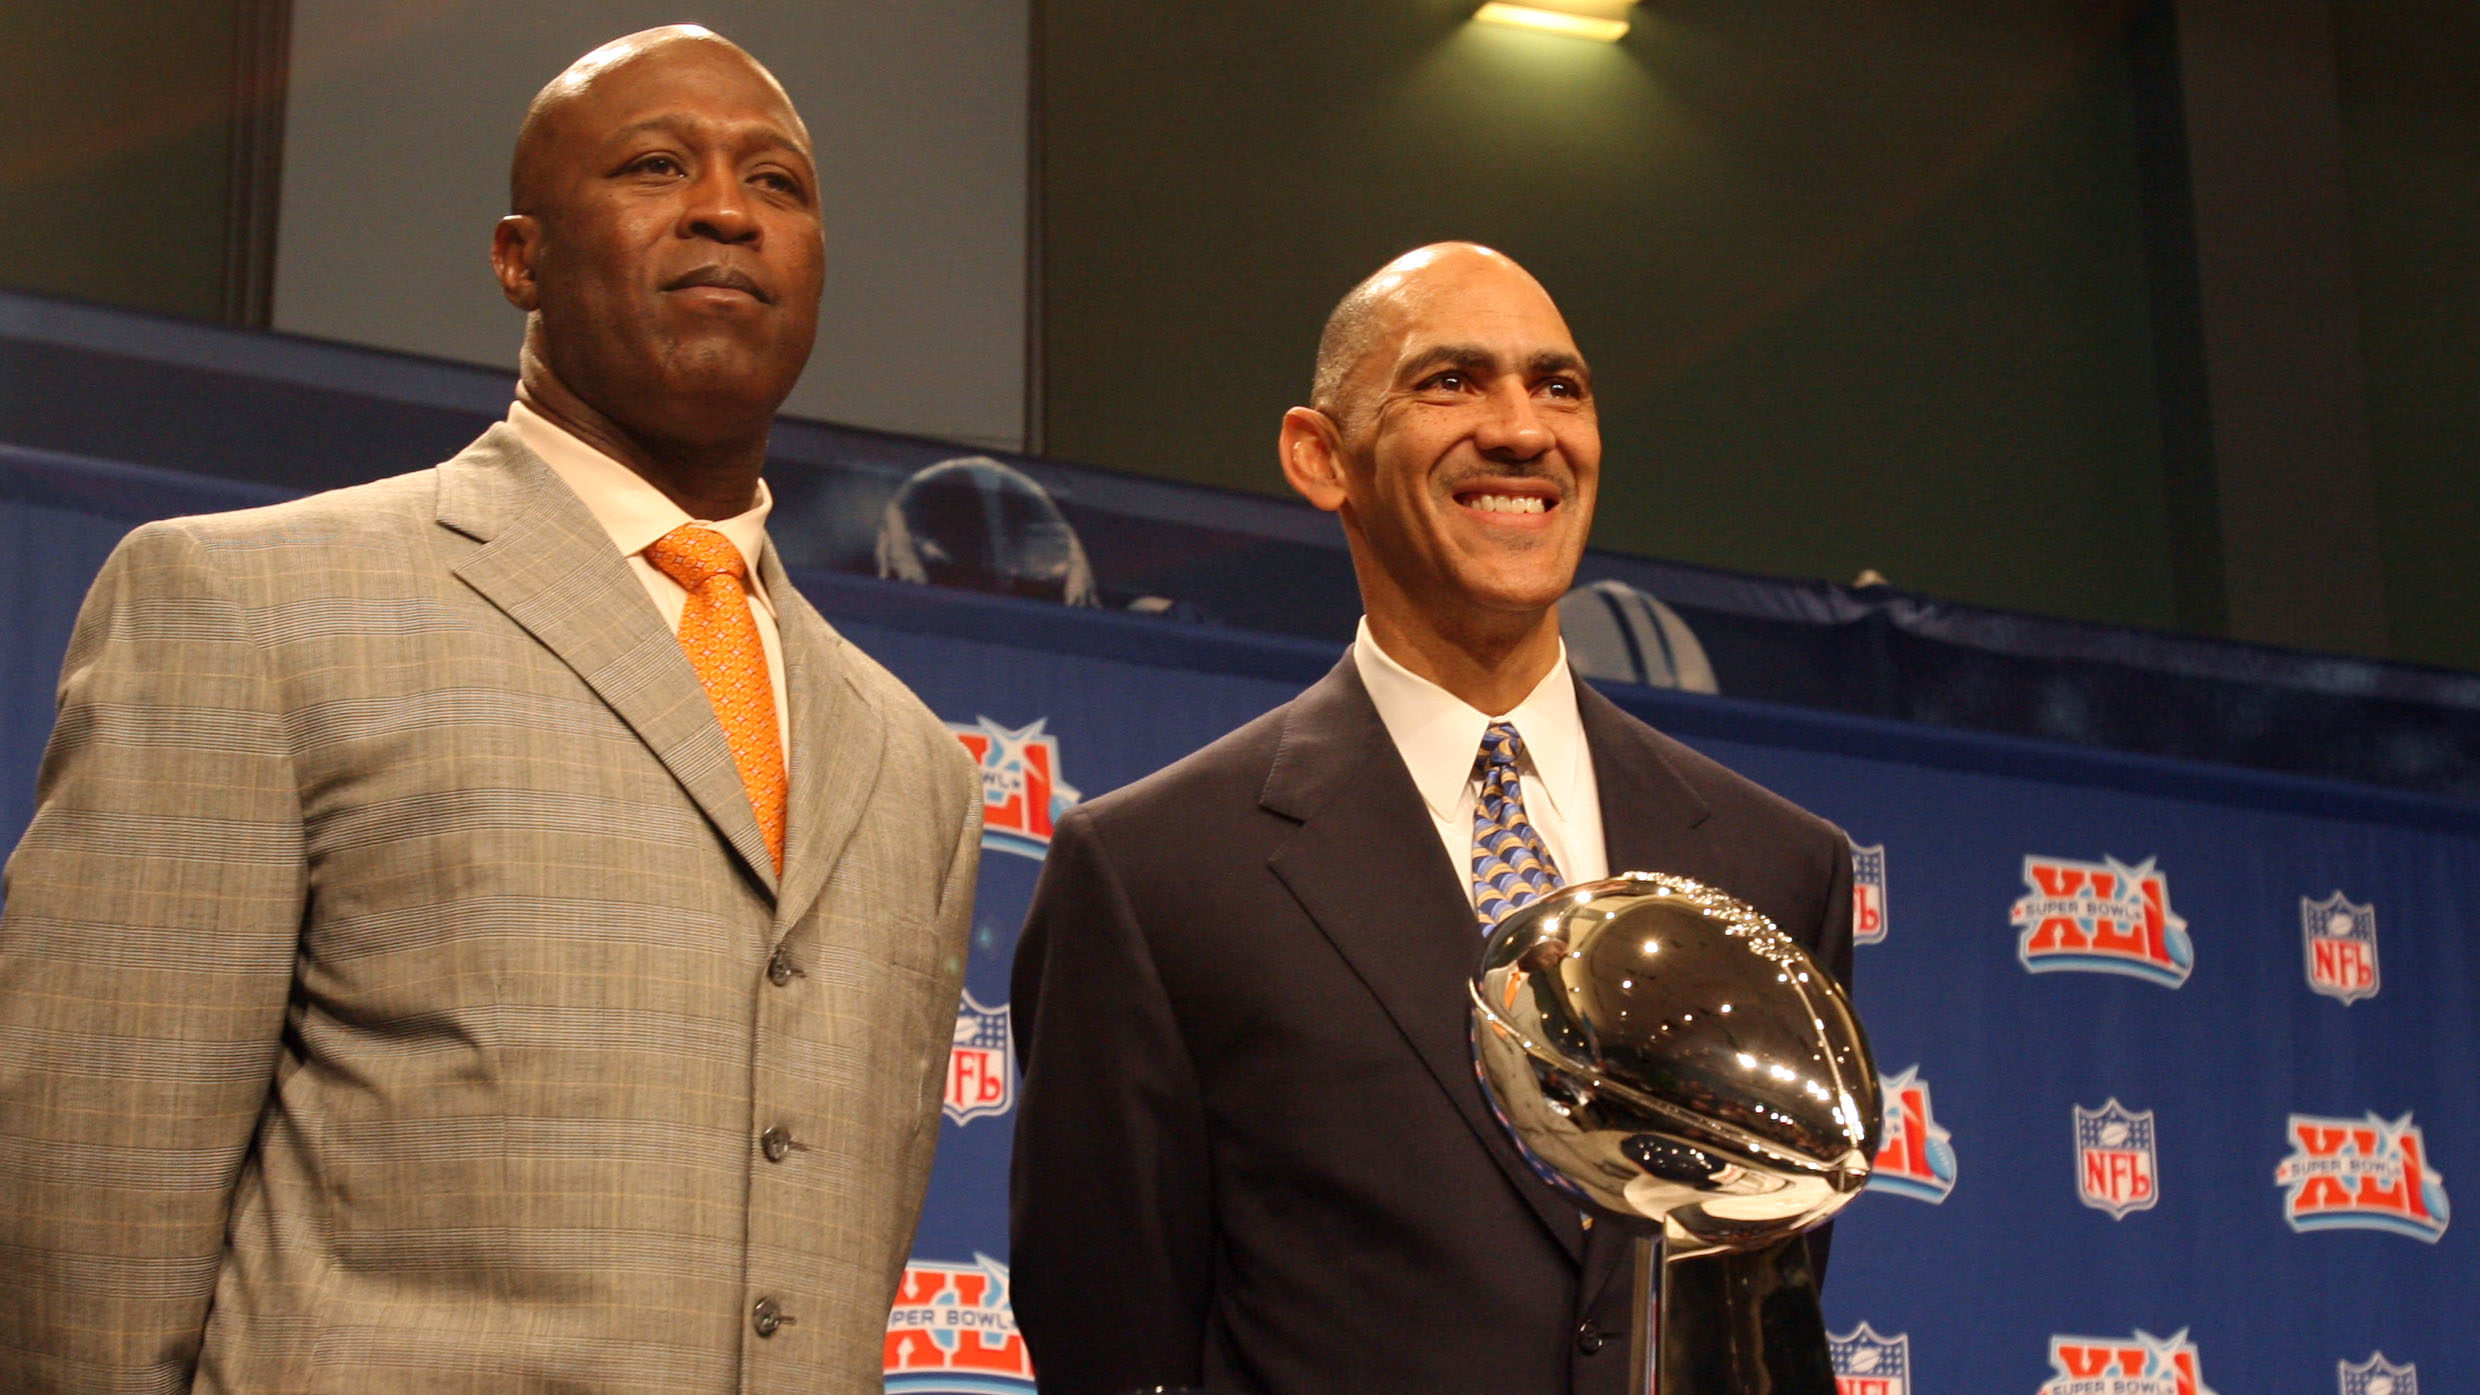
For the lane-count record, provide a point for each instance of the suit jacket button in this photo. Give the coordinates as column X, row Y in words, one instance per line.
column 775, row 1143
column 1588, row 1339
column 766, row 1316
column 779, row 970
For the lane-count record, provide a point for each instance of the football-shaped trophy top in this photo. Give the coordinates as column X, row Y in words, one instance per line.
column 1666, row 1055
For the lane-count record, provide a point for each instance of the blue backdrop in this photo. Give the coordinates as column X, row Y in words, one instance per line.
column 2180, row 1060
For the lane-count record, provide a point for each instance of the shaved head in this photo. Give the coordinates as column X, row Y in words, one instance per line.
column 531, row 172
column 1455, row 437
column 1390, row 295
column 667, row 248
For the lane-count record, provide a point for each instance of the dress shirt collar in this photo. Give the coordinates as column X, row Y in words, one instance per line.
column 631, row 510
column 1439, row 734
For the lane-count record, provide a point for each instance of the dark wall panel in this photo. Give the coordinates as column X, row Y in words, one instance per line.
column 2410, row 73
column 116, row 128
column 1865, row 286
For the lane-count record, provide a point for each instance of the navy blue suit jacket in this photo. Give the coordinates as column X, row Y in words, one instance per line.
column 1252, row 1152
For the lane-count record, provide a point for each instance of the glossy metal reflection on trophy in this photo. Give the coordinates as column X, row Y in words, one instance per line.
column 1666, row 1055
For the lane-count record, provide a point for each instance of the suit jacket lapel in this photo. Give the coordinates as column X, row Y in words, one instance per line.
column 1651, row 818
column 837, row 745
column 552, row 569
column 1652, row 821
column 1365, row 867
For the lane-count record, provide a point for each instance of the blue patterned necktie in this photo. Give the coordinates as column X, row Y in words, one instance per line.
column 1510, row 867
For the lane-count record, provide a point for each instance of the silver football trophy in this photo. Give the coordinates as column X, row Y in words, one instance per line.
column 1667, row 1056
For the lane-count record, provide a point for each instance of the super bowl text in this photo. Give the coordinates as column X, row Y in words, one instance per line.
column 1916, row 1158
column 2102, row 918
column 951, row 1332
column 2361, row 1174
column 1022, row 794
column 2141, row 1365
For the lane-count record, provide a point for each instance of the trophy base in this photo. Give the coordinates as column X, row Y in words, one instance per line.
column 1747, row 1322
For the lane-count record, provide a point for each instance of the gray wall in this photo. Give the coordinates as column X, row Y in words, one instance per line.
column 397, row 136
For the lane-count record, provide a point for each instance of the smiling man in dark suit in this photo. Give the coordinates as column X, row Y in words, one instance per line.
column 1253, row 1154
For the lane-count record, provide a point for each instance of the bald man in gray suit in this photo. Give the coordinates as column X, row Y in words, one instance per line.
column 423, row 972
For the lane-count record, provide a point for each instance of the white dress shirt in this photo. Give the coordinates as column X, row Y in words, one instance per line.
column 635, row 514
column 1439, row 737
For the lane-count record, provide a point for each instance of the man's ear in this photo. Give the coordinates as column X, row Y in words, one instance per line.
column 513, row 244
column 1312, row 450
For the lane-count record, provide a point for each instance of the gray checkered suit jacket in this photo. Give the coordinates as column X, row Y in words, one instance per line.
column 395, row 989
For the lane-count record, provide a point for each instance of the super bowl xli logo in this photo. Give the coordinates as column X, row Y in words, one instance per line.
column 2101, row 918
column 981, row 1066
column 2341, row 945
column 1868, row 894
column 2361, row 1174
column 951, row 1332
column 1867, row 1364
column 2141, row 1365
column 2378, row 1376
column 1022, row 794
column 2115, row 1166
column 1916, row 1158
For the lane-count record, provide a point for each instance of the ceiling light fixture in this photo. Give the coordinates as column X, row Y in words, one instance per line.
column 1605, row 20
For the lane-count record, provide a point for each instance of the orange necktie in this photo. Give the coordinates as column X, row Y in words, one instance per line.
column 721, row 637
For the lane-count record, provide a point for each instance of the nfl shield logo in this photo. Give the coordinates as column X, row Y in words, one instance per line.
column 981, row 1067
column 1868, row 894
column 1867, row 1364
column 2114, row 1160
column 2378, row 1376
column 2341, row 944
